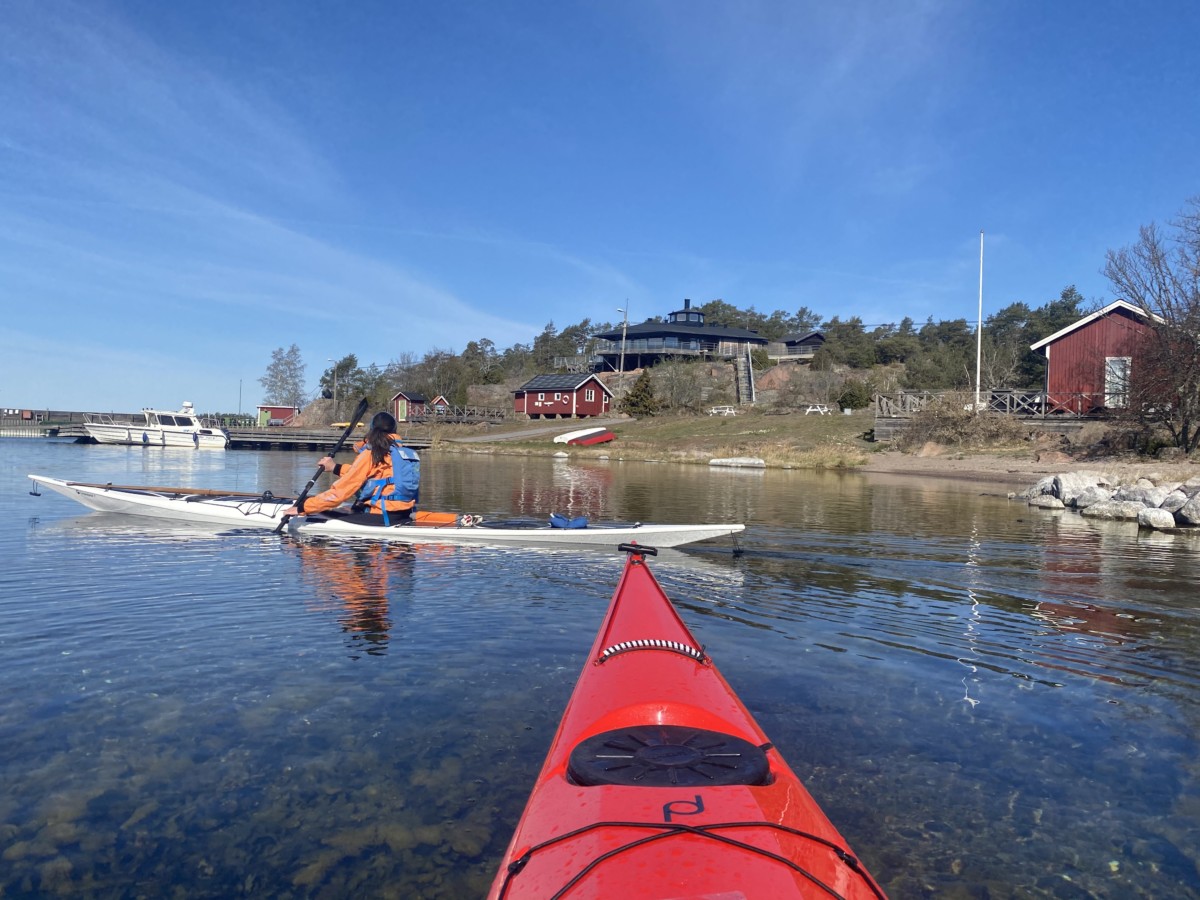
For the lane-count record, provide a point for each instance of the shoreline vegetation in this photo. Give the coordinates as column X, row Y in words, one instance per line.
column 834, row 442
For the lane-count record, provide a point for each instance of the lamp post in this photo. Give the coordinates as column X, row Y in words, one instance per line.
column 624, row 328
column 334, row 389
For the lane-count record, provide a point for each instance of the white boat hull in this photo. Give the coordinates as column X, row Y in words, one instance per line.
column 149, row 436
column 576, row 435
column 265, row 512
column 158, row 428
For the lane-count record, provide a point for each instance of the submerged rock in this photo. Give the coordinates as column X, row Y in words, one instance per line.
column 1045, row 501
column 1114, row 509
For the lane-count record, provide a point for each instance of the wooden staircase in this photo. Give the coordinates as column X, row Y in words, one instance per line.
column 744, row 380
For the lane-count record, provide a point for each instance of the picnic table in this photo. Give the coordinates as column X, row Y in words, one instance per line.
column 722, row 411
column 819, row 408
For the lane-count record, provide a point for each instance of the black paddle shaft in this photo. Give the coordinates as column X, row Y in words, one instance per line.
column 358, row 412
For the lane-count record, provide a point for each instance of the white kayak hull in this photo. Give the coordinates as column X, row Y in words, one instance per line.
column 179, row 504
column 498, row 535
column 243, row 510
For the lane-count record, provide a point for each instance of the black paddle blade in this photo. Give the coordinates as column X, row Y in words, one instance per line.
column 358, row 413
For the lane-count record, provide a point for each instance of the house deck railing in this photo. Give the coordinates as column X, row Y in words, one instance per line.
column 1022, row 404
column 776, row 350
column 458, row 414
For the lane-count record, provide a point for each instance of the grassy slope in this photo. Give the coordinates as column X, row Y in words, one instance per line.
column 813, row 441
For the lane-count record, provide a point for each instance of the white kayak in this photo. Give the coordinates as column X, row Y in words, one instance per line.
column 264, row 511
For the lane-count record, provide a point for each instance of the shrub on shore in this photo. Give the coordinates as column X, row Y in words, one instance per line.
column 951, row 420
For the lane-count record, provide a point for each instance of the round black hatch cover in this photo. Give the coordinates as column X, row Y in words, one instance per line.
column 667, row 756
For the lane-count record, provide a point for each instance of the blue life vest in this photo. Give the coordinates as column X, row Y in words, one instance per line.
column 404, row 484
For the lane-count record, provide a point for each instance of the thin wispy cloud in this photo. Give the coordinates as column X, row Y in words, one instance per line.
column 388, row 179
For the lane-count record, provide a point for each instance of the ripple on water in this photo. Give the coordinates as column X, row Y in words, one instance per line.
column 986, row 701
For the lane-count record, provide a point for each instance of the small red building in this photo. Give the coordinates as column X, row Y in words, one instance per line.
column 276, row 415
column 563, row 397
column 1089, row 363
column 408, row 406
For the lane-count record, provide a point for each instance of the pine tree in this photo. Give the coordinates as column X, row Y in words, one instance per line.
column 640, row 401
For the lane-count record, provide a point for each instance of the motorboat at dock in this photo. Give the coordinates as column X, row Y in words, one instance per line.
column 158, row 428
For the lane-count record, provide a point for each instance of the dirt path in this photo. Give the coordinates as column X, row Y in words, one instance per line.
column 537, row 430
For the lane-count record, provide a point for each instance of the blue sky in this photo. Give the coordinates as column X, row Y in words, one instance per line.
column 185, row 187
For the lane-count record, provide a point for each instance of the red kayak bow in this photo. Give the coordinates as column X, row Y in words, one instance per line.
column 660, row 784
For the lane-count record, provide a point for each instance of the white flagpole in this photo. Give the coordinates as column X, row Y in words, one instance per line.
column 979, row 329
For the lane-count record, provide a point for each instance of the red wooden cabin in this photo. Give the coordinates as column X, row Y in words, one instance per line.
column 409, row 406
column 269, row 414
column 1089, row 363
column 563, row 397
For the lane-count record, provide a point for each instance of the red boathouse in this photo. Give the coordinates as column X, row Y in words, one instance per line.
column 1089, row 363
column 563, row 397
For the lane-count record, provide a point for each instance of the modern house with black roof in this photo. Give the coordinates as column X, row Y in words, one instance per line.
column 797, row 347
column 682, row 335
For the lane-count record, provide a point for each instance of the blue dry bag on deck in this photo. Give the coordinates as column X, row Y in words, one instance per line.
column 560, row 521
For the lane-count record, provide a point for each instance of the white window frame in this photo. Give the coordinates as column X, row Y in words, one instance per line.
column 1116, row 381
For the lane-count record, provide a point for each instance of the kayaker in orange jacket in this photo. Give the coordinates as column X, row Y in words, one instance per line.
column 387, row 493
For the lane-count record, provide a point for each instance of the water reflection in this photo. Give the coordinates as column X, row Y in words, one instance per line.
column 988, row 700
column 360, row 582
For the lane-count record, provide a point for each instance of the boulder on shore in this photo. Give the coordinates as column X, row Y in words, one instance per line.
column 1152, row 500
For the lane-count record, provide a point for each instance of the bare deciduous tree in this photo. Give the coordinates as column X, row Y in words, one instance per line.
column 1161, row 274
column 678, row 384
column 283, row 382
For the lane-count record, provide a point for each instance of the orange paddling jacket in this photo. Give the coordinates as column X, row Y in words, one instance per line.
column 351, row 480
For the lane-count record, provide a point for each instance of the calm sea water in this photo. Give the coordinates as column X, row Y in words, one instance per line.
column 989, row 701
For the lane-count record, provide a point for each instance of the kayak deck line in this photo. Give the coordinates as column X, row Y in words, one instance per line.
column 653, row 644
column 702, row 831
column 206, row 493
column 659, row 782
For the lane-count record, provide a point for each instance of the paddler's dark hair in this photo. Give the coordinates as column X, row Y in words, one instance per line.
column 379, row 438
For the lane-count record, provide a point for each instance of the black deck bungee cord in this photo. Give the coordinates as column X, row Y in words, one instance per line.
column 705, row 831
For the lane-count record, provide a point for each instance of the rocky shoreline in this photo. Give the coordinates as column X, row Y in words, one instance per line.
column 1153, row 500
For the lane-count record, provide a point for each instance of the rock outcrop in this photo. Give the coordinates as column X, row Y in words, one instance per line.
column 1152, row 501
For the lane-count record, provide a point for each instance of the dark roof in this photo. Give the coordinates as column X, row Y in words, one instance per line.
column 411, row 397
column 559, row 383
column 798, row 338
